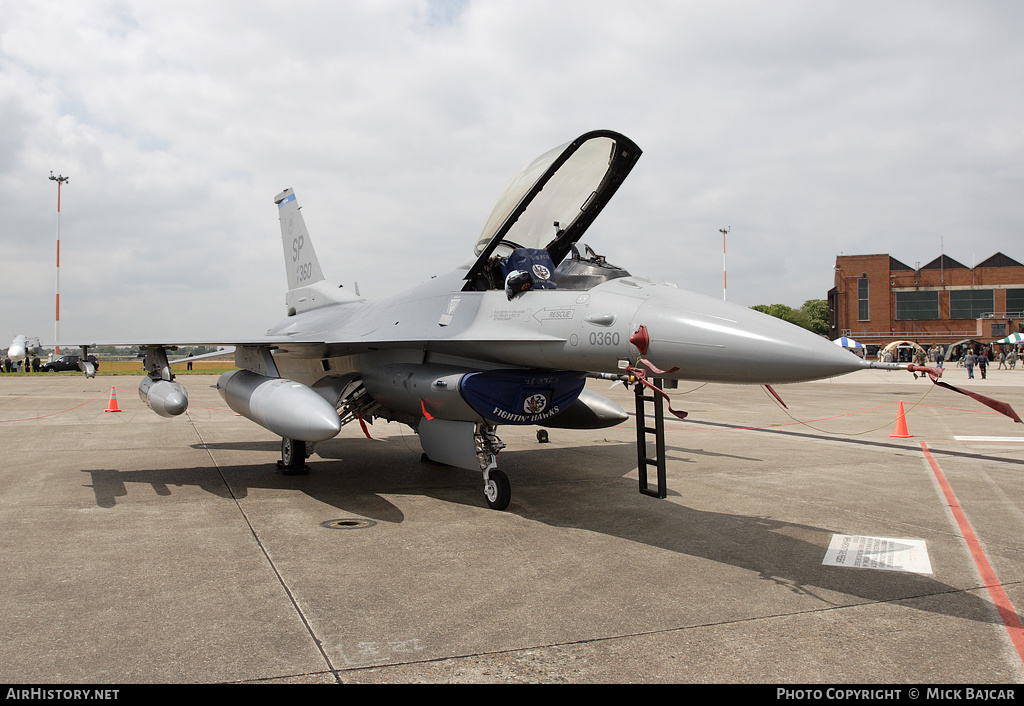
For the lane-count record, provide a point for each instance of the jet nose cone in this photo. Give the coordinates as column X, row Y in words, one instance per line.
column 708, row 339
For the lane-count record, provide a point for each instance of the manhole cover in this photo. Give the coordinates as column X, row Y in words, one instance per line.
column 348, row 524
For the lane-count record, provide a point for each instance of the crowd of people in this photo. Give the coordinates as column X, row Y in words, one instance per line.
column 969, row 355
column 982, row 356
column 16, row 366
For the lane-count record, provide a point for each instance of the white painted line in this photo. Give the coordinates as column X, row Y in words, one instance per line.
column 1017, row 439
column 883, row 553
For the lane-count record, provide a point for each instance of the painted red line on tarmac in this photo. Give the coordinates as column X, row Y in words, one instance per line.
column 54, row 414
column 988, row 576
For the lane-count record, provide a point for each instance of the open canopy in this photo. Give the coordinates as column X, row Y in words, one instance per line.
column 1012, row 338
column 552, row 201
column 848, row 342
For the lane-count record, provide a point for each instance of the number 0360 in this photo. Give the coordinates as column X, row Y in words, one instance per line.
column 604, row 338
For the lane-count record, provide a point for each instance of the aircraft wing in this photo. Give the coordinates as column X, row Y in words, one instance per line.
column 324, row 347
column 271, row 341
column 161, row 346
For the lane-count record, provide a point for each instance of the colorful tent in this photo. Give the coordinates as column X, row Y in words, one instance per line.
column 1012, row 338
column 848, row 342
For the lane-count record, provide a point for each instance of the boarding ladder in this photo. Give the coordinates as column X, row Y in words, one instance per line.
column 643, row 432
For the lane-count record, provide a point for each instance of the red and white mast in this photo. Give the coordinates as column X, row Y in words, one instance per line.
column 56, row 326
column 724, row 232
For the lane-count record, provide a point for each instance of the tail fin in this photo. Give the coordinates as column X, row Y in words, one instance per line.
column 300, row 259
column 307, row 288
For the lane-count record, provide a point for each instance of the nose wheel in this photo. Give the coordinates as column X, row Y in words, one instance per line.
column 293, row 457
column 497, row 489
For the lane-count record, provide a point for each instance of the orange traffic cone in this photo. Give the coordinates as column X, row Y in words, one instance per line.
column 901, row 425
column 112, row 405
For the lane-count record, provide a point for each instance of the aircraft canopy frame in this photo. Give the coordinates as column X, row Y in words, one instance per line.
column 552, row 201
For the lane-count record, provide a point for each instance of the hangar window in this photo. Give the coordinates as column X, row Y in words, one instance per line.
column 970, row 303
column 862, row 300
column 917, row 306
column 1015, row 301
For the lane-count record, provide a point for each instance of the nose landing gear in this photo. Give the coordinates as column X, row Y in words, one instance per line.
column 497, row 489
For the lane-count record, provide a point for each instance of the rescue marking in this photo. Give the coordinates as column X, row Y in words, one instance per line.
column 509, row 314
column 446, row 317
column 554, row 313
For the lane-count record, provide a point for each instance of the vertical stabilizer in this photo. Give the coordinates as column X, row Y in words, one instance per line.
column 307, row 288
column 300, row 259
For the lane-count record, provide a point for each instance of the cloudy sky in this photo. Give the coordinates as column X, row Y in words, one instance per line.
column 809, row 129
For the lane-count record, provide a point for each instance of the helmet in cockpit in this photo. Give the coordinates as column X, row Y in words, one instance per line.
column 517, row 282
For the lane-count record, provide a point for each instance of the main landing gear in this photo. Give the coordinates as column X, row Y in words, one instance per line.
column 293, row 457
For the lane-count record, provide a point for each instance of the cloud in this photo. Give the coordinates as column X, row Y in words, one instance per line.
column 809, row 128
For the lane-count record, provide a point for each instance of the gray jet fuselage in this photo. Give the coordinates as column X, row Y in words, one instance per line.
column 557, row 329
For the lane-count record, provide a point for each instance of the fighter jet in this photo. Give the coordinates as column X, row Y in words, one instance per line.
column 23, row 347
column 508, row 337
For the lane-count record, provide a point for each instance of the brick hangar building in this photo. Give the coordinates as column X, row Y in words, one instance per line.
column 877, row 299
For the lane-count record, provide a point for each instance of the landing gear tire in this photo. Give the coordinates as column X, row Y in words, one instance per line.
column 497, row 490
column 293, row 457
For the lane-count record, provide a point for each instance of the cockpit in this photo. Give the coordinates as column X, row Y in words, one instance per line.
column 529, row 239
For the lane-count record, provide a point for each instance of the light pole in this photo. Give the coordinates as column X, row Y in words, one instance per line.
column 724, row 232
column 56, row 326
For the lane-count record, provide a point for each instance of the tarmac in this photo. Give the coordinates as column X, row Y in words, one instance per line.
column 138, row 549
